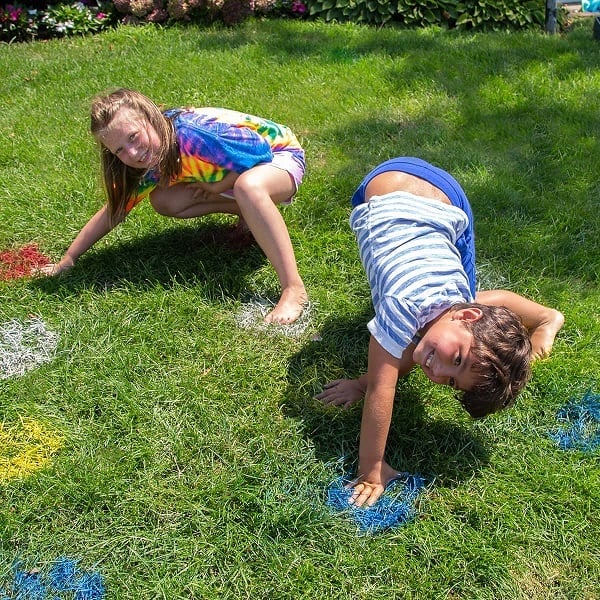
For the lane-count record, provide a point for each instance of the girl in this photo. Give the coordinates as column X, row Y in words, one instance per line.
column 193, row 162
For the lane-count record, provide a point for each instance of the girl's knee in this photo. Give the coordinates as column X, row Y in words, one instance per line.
column 261, row 183
column 158, row 200
column 249, row 184
column 162, row 210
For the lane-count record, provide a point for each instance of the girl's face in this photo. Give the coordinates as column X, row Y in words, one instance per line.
column 132, row 139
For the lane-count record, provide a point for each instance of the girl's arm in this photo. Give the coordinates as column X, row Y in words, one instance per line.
column 542, row 322
column 203, row 190
column 96, row 228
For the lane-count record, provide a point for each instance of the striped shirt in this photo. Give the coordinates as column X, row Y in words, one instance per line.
column 407, row 248
column 445, row 183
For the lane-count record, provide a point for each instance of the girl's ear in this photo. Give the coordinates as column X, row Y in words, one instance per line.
column 467, row 314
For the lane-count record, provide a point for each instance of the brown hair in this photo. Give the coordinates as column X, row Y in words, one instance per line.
column 121, row 181
column 501, row 352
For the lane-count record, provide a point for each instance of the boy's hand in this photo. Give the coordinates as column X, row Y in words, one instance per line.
column 543, row 333
column 369, row 485
column 542, row 322
column 342, row 392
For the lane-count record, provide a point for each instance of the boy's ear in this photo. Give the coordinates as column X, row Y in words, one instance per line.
column 467, row 314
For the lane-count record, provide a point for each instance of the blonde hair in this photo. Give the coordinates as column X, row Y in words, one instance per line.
column 121, row 181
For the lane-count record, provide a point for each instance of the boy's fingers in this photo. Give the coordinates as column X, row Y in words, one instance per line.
column 375, row 495
column 364, row 493
column 329, row 399
column 340, row 392
column 357, row 492
column 331, row 384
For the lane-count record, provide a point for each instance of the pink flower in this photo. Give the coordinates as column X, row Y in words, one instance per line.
column 13, row 13
column 158, row 15
column 298, row 7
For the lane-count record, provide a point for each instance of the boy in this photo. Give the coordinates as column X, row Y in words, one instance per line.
column 414, row 230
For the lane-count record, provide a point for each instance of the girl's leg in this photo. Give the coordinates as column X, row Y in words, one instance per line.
column 184, row 202
column 257, row 191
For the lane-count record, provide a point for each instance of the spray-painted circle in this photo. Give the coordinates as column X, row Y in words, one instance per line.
column 26, row 447
column 24, row 345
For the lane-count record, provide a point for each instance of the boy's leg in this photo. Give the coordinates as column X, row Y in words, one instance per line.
column 257, row 191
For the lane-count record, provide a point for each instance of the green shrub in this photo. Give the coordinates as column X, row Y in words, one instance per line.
column 73, row 19
column 480, row 15
column 22, row 23
column 17, row 23
column 498, row 15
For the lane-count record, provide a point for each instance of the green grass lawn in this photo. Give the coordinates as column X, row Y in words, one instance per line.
column 191, row 460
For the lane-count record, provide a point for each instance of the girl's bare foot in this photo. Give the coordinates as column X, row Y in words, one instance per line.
column 240, row 236
column 290, row 306
column 542, row 337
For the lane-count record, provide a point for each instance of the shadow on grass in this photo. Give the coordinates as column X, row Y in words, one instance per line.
column 556, row 235
column 446, row 450
column 199, row 255
column 286, row 40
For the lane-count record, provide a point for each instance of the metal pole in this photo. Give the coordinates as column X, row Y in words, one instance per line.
column 551, row 16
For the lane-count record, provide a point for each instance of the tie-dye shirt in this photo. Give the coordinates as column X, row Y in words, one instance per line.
column 214, row 141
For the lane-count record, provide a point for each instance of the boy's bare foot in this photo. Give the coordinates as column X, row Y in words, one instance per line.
column 290, row 306
column 542, row 337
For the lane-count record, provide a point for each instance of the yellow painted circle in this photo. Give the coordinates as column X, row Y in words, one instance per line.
column 25, row 447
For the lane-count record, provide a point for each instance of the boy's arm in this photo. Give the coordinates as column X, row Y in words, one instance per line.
column 96, row 228
column 344, row 392
column 543, row 323
column 374, row 473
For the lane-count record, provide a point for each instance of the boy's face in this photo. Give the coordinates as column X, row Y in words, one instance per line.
column 444, row 351
column 131, row 139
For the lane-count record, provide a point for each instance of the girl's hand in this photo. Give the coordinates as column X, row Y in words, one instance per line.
column 205, row 190
column 55, row 268
column 201, row 192
column 370, row 484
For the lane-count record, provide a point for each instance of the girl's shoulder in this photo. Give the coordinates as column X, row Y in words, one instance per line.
column 223, row 116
